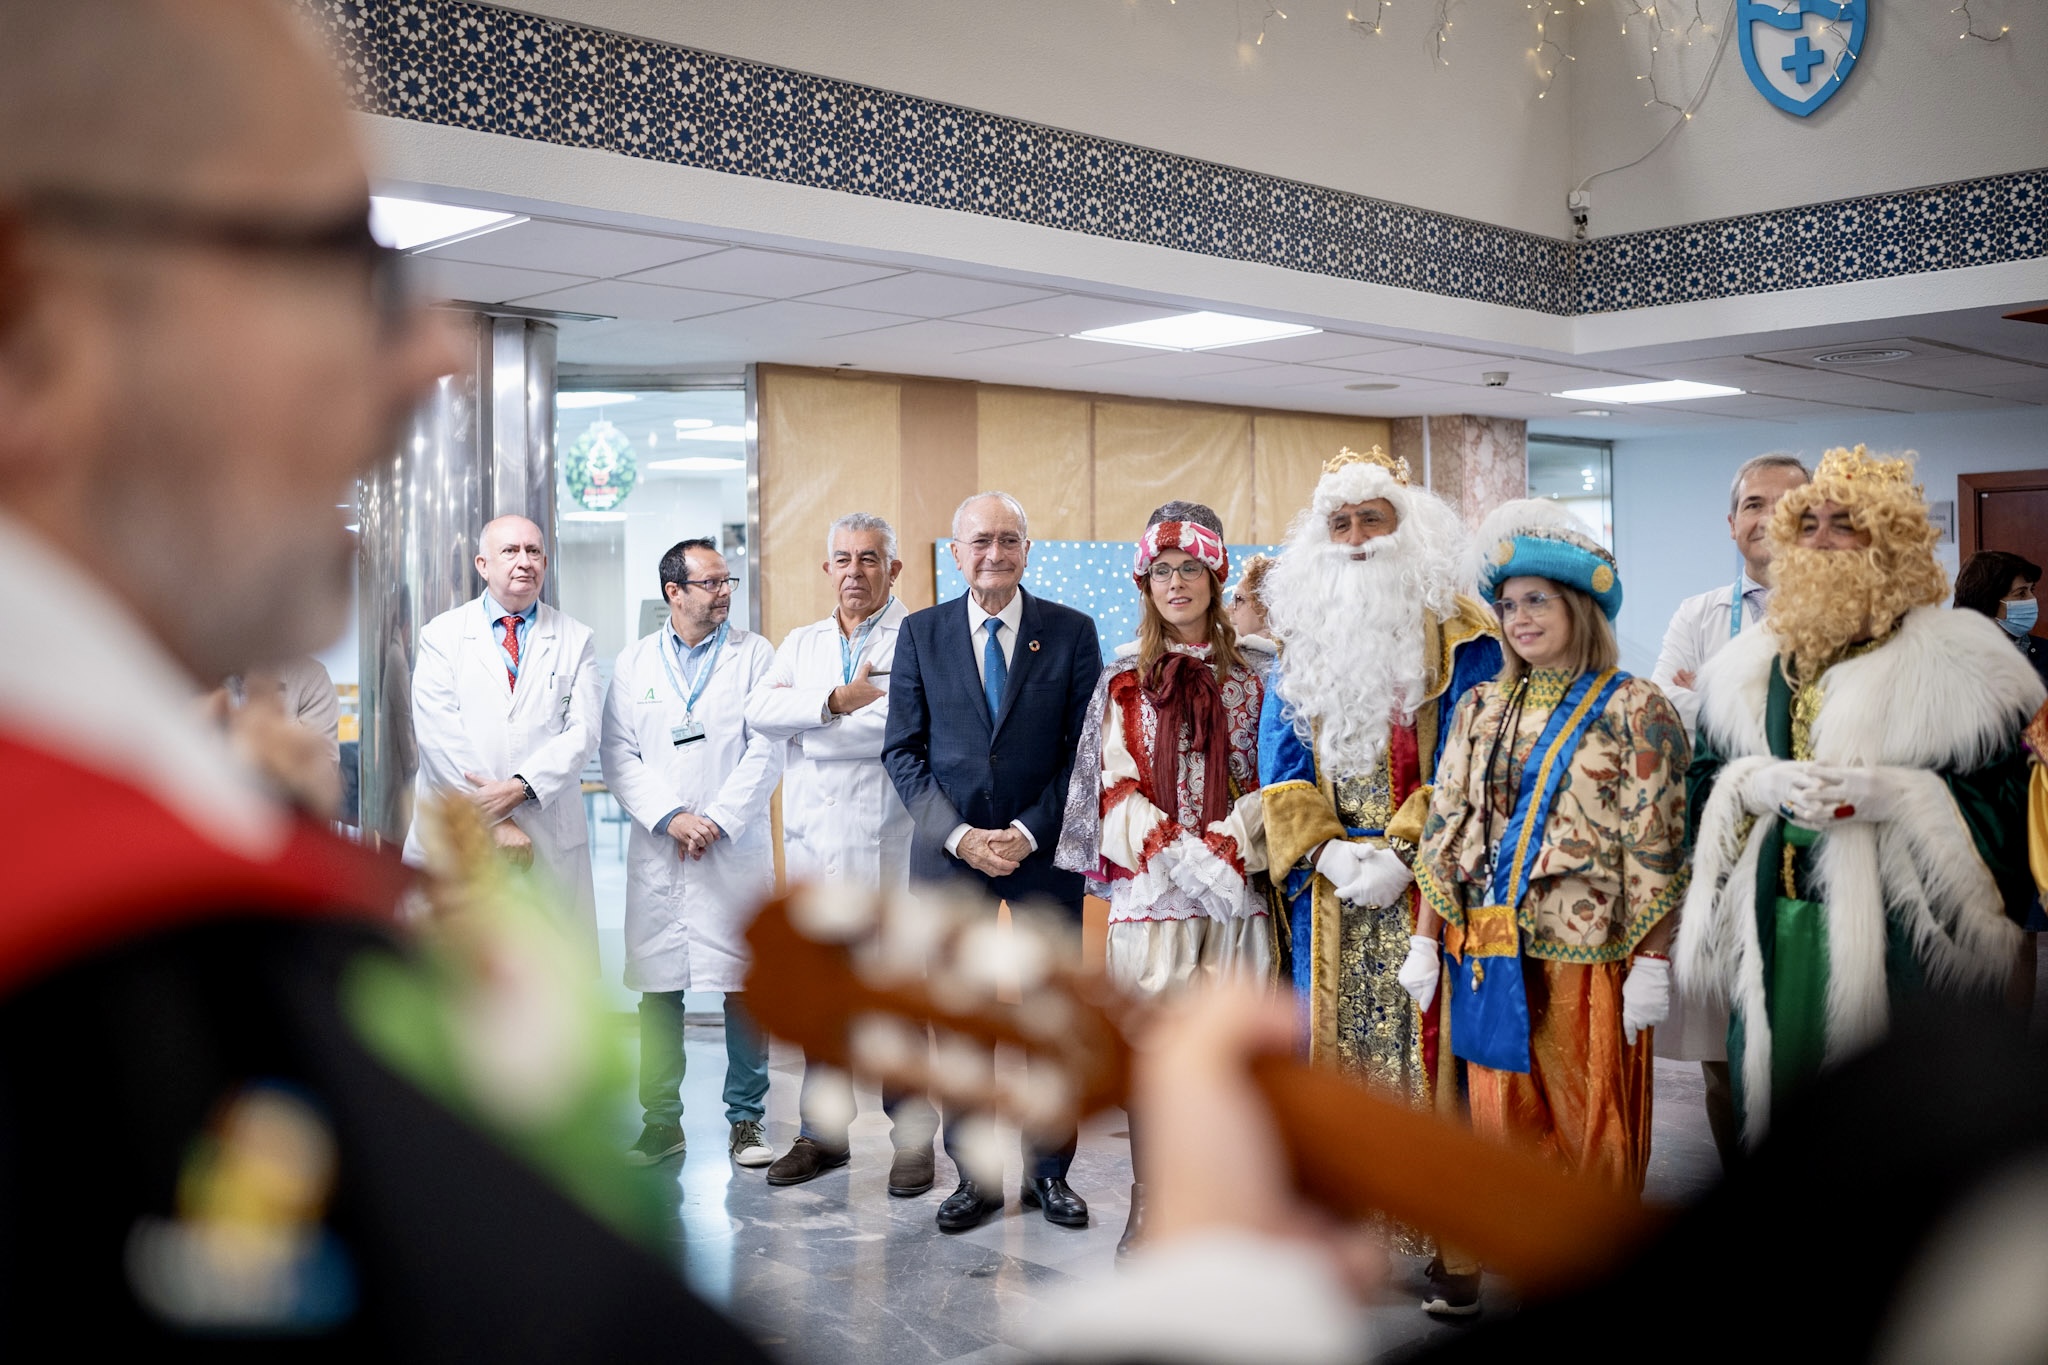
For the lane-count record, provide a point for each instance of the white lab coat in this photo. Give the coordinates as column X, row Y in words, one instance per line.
column 1698, row 630
column 686, row 921
column 841, row 816
column 467, row 719
column 1695, row 1030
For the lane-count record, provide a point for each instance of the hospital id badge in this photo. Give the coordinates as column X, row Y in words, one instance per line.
column 687, row 733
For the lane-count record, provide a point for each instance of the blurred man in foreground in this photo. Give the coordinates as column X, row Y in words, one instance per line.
column 232, row 1104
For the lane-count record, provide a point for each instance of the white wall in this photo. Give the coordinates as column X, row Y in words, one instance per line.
column 1922, row 107
column 1316, row 101
column 1671, row 498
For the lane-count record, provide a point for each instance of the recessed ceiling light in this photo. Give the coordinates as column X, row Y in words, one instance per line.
column 593, row 399
column 1873, row 356
column 1370, row 388
column 1659, row 391
column 722, row 433
column 1591, row 412
column 415, row 224
column 698, row 464
column 1194, row 332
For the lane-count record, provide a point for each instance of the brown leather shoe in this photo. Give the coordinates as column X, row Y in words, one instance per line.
column 805, row 1160
column 912, row 1172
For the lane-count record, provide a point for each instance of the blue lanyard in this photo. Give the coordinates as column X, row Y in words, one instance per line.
column 703, row 678
column 1542, row 774
column 849, row 654
column 1735, row 608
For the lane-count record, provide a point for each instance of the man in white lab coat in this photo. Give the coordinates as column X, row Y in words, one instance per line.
column 694, row 777
column 828, row 697
column 506, row 700
column 1702, row 625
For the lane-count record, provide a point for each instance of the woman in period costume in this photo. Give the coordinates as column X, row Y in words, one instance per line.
column 1552, row 857
column 1163, row 812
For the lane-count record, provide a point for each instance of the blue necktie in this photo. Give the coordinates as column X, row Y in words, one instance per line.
column 994, row 672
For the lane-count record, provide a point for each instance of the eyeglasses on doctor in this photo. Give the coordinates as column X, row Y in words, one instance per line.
column 714, row 586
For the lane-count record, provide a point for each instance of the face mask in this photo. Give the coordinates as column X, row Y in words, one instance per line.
column 2020, row 617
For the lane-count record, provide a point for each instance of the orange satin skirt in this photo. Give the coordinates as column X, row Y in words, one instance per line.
column 1585, row 1102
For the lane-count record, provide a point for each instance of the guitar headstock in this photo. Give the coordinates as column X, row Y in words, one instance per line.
column 912, row 988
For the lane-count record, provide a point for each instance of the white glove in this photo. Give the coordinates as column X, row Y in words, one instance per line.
column 1784, row 788
column 1645, row 996
column 1362, row 874
column 1854, row 794
column 1418, row 975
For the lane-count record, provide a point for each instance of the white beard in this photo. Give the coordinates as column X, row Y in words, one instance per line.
column 1351, row 644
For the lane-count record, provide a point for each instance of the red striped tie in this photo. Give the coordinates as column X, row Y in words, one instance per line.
column 511, row 625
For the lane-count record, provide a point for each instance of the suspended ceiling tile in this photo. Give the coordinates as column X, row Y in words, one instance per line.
column 1928, row 362
column 1284, row 376
column 771, row 274
column 438, row 279
column 641, row 302
column 544, row 244
column 1065, row 314
column 940, row 336
column 1176, row 365
column 927, row 295
column 2031, row 391
column 1060, row 351
column 795, row 321
column 1413, row 359
column 1316, row 346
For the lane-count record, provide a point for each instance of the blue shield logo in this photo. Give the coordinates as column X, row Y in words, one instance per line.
column 1799, row 53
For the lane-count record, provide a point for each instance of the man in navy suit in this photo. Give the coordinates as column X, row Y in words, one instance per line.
column 985, row 711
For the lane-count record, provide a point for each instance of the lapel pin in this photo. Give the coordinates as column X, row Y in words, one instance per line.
column 1034, row 646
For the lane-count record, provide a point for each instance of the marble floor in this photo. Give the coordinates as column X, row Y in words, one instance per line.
column 837, row 1271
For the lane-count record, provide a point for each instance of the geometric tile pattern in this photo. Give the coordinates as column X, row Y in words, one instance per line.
column 501, row 71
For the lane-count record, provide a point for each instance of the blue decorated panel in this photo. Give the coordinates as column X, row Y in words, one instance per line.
column 1088, row 575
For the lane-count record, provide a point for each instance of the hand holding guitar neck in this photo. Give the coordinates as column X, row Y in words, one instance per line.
column 859, row 979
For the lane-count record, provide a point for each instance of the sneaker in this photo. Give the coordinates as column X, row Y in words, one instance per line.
column 747, row 1146
column 1450, row 1296
column 658, row 1142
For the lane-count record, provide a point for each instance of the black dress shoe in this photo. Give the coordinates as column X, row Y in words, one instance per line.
column 1061, row 1204
column 966, row 1207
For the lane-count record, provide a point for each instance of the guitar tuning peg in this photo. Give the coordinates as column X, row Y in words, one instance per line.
column 888, row 1046
column 911, row 931
column 960, row 1067
column 1042, row 1098
column 833, row 911
column 1046, row 1015
column 994, row 959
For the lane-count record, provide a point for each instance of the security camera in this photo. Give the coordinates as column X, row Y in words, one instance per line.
column 1495, row 378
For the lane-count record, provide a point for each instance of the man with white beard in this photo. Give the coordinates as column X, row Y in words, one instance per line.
column 1377, row 644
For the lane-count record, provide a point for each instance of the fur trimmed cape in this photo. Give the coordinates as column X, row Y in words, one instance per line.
column 1944, row 698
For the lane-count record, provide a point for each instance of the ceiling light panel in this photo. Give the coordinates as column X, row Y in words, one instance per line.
column 411, row 224
column 1659, row 391
column 1195, row 332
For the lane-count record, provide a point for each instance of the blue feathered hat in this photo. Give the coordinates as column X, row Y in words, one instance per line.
column 1536, row 538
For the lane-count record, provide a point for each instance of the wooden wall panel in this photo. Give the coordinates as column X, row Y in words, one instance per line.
column 828, row 446
column 1288, row 451
column 1037, row 446
column 940, row 420
column 1147, row 453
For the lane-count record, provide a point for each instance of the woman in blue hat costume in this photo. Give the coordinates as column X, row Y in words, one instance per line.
column 1552, row 858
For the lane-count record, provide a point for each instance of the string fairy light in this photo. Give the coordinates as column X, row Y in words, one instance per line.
column 1376, row 26
column 1442, row 33
column 1970, row 26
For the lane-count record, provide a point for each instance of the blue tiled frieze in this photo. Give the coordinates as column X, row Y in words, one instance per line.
column 502, row 71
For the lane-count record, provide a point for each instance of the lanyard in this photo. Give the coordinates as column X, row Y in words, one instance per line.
column 703, row 678
column 1735, row 605
column 849, row 654
column 1542, row 774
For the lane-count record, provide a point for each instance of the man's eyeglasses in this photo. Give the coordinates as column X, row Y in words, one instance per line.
column 714, row 586
column 1008, row 541
column 1529, row 604
column 1187, row 571
column 343, row 238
